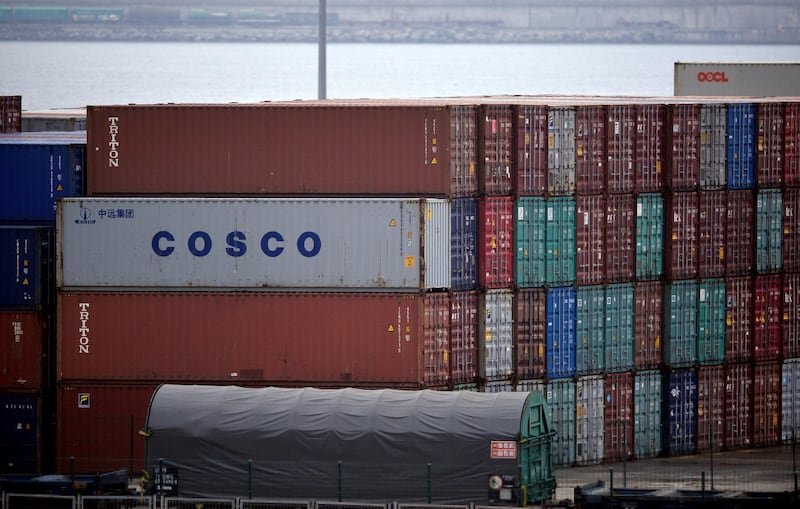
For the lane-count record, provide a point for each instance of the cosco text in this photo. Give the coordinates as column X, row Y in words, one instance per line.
column 272, row 244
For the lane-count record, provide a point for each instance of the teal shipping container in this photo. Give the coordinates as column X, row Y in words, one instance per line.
column 496, row 332
column 619, row 327
column 769, row 231
column 680, row 324
column 560, row 241
column 647, row 414
column 561, row 155
column 529, row 236
column 589, row 417
column 590, row 345
column 649, row 237
column 711, row 327
column 560, row 395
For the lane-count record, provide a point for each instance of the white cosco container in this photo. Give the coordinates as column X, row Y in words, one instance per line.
column 369, row 244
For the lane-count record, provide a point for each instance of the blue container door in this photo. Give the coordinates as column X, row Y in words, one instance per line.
column 680, row 401
column 464, row 244
column 21, row 263
column 561, row 321
column 741, row 145
column 19, row 442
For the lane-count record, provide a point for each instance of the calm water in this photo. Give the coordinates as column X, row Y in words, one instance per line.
column 73, row 74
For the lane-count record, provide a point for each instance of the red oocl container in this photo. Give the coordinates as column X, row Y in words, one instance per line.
column 621, row 148
column 495, row 150
column 354, row 147
column 681, row 221
column 791, row 229
column 496, row 242
column 531, row 142
column 767, row 403
column 791, row 136
column 23, row 335
column 791, row 315
column 739, row 232
column 770, row 147
column 648, row 325
column 590, row 250
column 711, row 234
column 530, row 333
column 326, row 339
column 650, row 120
column 683, row 140
column 767, row 317
column 710, row 408
column 738, row 408
column 620, row 241
column 98, row 425
column 738, row 317
column 618, row 416
column 590, row 150
column 464, row 337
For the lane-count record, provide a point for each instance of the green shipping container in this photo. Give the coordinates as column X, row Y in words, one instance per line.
column 529, row 235
column 619, row 326
column 680, row 324
column 769, row 231
column 649, row 237
column 561, row 406
column 590, row 356
column 560, row 241
column 647, row 414
column 711, row 326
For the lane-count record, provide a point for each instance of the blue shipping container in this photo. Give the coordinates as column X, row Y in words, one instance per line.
column 36, row 169
column 561, row 321
column 680, row 409
column 741, row 160
column 19, row 435
column 25, row 255
column 464, row 244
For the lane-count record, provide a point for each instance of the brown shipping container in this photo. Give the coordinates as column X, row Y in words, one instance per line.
column 98, row 425
column 464, row 337
column 648, row 325
column 791, row 135
column 496, row 242
column 681, row 216
column 355, row 148
column 621, row 148
column 436, row 345
column 10, row 113
column 767, row 403
column 649, row 147
column 330, row 339
column 495, row 150
column 738, row 318
column 769, row 169
column 590, row 150
column 767, row 318
column 590, row 251
column 738, row 399
column 531, row 148
column 683, row 138
column 791, row 229
column 530, row 333
column 22, row 339
column 791, row 315
column 620, row 238
column 711, row 234
column 739, row 231
column 710, row 408
column 618, row 416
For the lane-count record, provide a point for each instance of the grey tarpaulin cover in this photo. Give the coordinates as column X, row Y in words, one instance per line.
column 280, row 442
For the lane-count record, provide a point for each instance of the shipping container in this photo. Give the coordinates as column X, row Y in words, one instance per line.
column 98, row 427
column 531, row 150
column 24, row 338
column 498, row 386
column 367, row 244
column 647, row 411
column 739, row 231
column 561, row 159
column 621, row 148
column 791, row 134
column 711, row 234
column 791, row 230
column 313, row 338
column 713, row 146
column 620, row 238
column 496, row 334
column 590, row 322
column 681, row 235
column 680, row 324
column 648, row 325
column 62, row 119
column 560, row 241
column 20, row 433
column 561, row 321
column 711, row 326
column 649, row 237
column 767, row 297
column 589, row 425
column 560, row 396
column 683, row 140
column 741, row 155
column 530, row 231
column 766, row 403
column 464, row 244
column 10, row 113
column 26, row 264
column 537, row 385
column 738, row 408
column 769, row 231
column 650, row 151
column 710, row 408
column 464, row 337
column 680, row 409
column 590, row 250
column 619, row 327
column 425, row 148
column 770, row 145
column 496, row 242
column 37, row 170
column 790, row 400
column 530, row 333
column 725, row 79
column 739, row 319
column 590, row 150
column 790, row 315
column 495, row 134
column 618, row 419
column 436, row 349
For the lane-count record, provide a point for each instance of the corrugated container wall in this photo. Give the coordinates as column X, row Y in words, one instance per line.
column 464, row 337
column 767, row 317
column 738, row 399
column 769, row 231
column 648, row 325
column 683, row 140
column 713, row 146
column 711, row 234
column 649, row 237
column 739, row 231
column 791, row 136
column 495, row 133
column 590, row 318
column 560, row 398
column 680, row 324
column 590, row 150
column 530, row 333
column 23, row 339
column 790, row 315
column 590, row 251
column 496, row 334
column 36, row 170
column 26, row 263
column 767, row 403
column 619, row 327
column 647, row 413
column 589, row 425
column 463, row 244
column 741, row 153
column 681, row 239
column 791, row 230
column 384, row 244
column 257, row 149
column 710, row 408
column 739, row 319
column 680, row 408
column 531, row 150
column 620, row 238
column 436, row 351
column 650, row 156
column 769, row 147
column 20, row 433
column 621, row 148
column 496, row 242
column 790, row 400
column 561, row 309
column 618, row 416
column 711, row 327
column 560, row 241
column 530, row 232
column 10, row 113
column 561, row 157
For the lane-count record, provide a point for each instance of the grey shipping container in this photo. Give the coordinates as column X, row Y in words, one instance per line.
column 496, row 334
column 560, row 396
column 589, row 421
column 366, row 243
column 726, row 79
column 561, row 151
column 713, row 145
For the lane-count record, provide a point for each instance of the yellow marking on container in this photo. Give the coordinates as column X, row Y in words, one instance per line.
column 433, row 141
column 430, row 214
column 434, row 161
column 472, row 168
column 392, row 223
column 25, row 281
column 410, row 262
column 390, row 329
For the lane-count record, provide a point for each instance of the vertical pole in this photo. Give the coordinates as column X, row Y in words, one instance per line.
column 625, row 454
column 72, row 470
column 429, row 483
column 703, row 485
column 160, row 484
column 323, row 30
column 611, row 485
column 130, row 456
column 249, row 479
column 339, row 476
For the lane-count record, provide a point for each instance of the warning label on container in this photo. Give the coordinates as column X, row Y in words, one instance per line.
column 504, row 449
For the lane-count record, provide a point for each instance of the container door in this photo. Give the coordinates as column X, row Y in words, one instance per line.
column 536, row 470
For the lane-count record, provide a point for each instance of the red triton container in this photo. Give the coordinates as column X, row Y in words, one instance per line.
column 531, row 142
column 621, row 148
column 791, row 229
column 590, row 250
column 681, row 216
column 769, row 166
column 711, row 234
column 710, row 408
column 739, row 232
column 620, row 241
column 738, row 317
column 464, row 337
column 766, row 403
column 495, row 150
column 767, row 317
column 738, row 405
column 590, row 150
column 530, row 333
column 791, row 135
column 23, row 335
column 650, row 156
column 683, row 142
column 496, row 242
column 791, row 315
column 648, row 325
column 618, row 436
